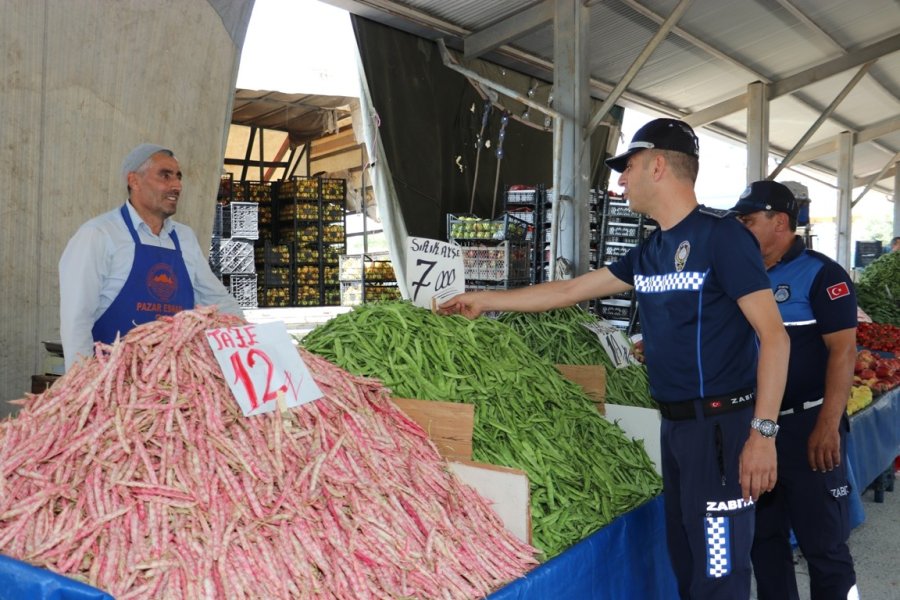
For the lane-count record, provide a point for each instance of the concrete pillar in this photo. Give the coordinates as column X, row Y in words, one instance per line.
column 846, row 141
column 757, row 131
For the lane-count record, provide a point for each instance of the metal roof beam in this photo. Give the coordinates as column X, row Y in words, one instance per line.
column 838, row 65
column 799, row 80
column 508, row 29
column 822, row 118
column 830, row 146
column 872, row 180
column 610, row 101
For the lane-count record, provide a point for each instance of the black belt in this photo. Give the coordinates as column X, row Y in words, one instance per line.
column 719, row 405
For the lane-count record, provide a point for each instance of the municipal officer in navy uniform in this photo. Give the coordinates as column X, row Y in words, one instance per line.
column 705, row 304
column 134, row 263
column 817, row 303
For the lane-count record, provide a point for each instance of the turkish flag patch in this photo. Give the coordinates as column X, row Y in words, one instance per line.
column 838, row 290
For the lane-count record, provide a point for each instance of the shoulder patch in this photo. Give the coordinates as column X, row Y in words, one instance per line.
column 719, row 213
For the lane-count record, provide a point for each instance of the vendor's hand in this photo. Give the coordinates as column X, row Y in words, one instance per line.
column 637, row 350
column 466, row 305
column 758, row 466
column 824, row 447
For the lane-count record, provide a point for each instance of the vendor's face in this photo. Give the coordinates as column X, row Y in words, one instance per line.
column 763, row 227
column 156, row 187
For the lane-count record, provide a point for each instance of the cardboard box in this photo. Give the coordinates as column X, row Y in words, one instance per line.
column 590, row 377
column 448, row 424
column 507, row 491
column 639, row 423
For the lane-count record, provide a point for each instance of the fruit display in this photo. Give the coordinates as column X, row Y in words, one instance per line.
column 333, row 233
column 860, row 397
column 302, row 188
column 876, row 372
column 272, row 255
column 380, row 270
column 333, row 189
column 301, row 211
column 879, row 336
column 307, row 275
column 473, row 228
column 275, row 296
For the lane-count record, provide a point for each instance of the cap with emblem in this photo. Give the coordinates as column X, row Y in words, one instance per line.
column 138, row 156
column 766, row 195
column 659, row 134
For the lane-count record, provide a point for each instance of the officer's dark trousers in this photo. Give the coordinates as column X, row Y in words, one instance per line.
column 816, row 506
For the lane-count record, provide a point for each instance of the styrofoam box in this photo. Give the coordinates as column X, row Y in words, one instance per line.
column 639, row 423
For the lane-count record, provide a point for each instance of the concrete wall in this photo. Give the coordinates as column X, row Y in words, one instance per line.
column 81, row 82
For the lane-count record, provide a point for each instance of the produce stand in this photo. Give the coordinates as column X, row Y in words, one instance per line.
column 20, row 580
column 874, row 440
column 626, row 559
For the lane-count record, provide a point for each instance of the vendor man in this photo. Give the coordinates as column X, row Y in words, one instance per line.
column 134, row 263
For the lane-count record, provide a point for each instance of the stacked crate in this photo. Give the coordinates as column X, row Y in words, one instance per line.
column 528, row 204
column 546, row 233
column 367, row 278
column 310, row 220
column 496, row 253
column 620, row 230
column 231, row 254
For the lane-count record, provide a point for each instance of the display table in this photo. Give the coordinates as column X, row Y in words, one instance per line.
column 874, row 440
column 625, row 559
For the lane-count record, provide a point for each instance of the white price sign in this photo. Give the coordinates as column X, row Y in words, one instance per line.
column 261, row 366
column 434, row 271
column 617, row 346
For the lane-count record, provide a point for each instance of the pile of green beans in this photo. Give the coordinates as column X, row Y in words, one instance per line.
column 583, row 470
column 561, row 336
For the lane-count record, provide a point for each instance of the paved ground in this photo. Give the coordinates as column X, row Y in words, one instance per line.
column 875, row 546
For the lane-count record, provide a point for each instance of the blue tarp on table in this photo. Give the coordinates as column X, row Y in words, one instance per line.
column 874, row 440
column 625, row 559
column 21, row 581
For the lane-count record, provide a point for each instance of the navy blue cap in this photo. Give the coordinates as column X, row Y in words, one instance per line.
column 766, row 195
column 661, row 134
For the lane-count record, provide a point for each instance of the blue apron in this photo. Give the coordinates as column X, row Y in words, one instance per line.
column 157, row 285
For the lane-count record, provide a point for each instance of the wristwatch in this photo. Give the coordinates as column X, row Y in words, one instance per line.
column 766, row 427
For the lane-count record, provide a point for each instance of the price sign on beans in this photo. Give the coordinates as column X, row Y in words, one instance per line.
column 262, row 367
column 434, row 271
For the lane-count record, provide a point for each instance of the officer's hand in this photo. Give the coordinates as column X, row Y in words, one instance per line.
column 758, row 466
column 466, row 305
column 824, row 447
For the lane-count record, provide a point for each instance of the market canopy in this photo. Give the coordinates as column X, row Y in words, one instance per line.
column 302, row 116
column 827, row 59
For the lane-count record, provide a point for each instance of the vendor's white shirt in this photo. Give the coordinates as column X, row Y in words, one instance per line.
column 96, row 263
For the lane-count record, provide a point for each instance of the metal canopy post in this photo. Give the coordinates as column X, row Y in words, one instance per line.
column 846, row 142
column 757, row 131
column 571, row 95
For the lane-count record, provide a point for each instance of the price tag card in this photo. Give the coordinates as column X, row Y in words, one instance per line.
column 614, row 342
column 262, row 367
column 434, row 271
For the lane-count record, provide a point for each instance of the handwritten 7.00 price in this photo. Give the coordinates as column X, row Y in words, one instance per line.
column 247, row 360
column 441, row 279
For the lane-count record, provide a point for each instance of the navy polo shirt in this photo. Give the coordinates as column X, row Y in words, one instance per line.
column 688, row 279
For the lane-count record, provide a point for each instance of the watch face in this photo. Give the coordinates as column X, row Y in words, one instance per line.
column 766, row 427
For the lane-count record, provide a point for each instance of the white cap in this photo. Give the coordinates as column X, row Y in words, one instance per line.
column 138, row 156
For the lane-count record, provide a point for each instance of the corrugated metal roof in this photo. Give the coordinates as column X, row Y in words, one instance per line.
column 714, row 52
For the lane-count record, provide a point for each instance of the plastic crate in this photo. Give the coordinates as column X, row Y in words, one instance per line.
column 243, row 288
column 306, row 295
column 299, row 187
column 307, row 255
column 622, row 229
column 300, row 210
column 273, row 254
column 351, row 293
column 521, row 196
column 615, row 311
column 333, row 189
column 505, row 262
column 277, row 276
column 237, row 219
column 307, row 275
column 332, row 211
column 377, row 267
column 234, row 257
column 617, row 209
column 506, row 227
column 274, row 296
column 476, row 286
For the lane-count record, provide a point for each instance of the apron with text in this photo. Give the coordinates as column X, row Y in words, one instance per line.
column 157, row 285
